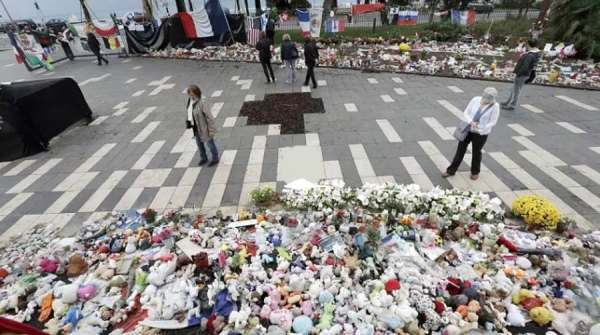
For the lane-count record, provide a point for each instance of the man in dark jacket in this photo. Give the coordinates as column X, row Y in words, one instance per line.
column 264, row 55
column 523, row 72
column 94, row 45
column 311, row 57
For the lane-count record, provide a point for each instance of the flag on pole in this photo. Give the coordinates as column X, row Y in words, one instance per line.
column 465, row 18
column 408, row 17
column 105, row 29
column 205, row 22
column 285, row 16
column 264, row 19
column 253, row 26
column 304, row 21
column 316, row 15
column 334, row 26
column 16, row 49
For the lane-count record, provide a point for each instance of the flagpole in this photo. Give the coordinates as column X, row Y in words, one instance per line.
column 225, row 16
column 9, row 17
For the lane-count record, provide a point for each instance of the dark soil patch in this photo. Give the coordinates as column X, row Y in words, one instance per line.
column 286, row 109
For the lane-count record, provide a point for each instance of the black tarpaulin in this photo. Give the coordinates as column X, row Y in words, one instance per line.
column 141, row 42
column 38, row 111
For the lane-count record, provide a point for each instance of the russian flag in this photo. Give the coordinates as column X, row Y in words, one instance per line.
column 334, row 26
column 465, row 18
column 205, row 22
column 304, row 20
column 408, row 18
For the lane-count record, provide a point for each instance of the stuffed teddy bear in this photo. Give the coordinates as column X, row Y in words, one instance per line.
column 563, row 305
column 541, row 315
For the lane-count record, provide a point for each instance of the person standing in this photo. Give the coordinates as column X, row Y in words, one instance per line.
column 311, row 57
column 202, row 122
column 264, row 55
column 64, row 39
column 524, row 73
column 289, row 54
column 94, row 45
column 482, row 115
column 270, row 30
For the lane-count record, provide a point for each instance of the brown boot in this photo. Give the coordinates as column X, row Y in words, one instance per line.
column 447, row 174
column 474, row 176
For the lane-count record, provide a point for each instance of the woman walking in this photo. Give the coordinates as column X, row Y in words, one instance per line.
column 200, row 119
column 481, row 116
column 94, row 45
column 289, row 54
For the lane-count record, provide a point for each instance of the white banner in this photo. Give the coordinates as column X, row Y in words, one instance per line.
column 316, row 15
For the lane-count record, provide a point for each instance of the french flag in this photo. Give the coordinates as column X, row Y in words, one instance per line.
column 16, row 49
column 304, row 20
column 465, row 18
column 205, row 22
column 408, row 18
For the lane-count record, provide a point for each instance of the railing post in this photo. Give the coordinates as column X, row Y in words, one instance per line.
column 374, row 24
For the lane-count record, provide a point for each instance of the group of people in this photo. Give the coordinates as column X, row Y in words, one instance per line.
column 289, row 55
column 480, row 116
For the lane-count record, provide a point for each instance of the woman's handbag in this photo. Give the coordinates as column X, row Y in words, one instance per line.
column 463, row 128
column 295, row 53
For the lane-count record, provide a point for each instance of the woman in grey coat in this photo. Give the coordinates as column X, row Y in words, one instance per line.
column 200, row 119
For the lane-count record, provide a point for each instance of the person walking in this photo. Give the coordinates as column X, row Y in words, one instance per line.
column 270, row 29
column 311, row 57
column 289, row 54
column 94, row 45
column 524, row 73
column 202, row 123
column 481, row 115
column 264, row 55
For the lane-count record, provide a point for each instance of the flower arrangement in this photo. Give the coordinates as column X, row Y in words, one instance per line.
column 149, row 215
column 262, row 197
column 537, row 211
column 330, row 196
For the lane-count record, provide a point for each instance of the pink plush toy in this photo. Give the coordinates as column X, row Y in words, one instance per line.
column 48, row 265
column 86, row 292
column 307, row 307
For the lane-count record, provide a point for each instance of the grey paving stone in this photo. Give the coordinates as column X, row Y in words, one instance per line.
column 145, row 198
column 37, row 203
column 232, row 193
column 268, row 173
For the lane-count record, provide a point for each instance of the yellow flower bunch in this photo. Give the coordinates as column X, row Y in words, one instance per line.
column 537, row 211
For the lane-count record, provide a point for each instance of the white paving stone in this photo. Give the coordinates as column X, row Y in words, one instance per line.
column 260, row 142
column 533, row 109
column 372, row 81
column 274, row 129
column 146, row 132
column 312, row 140
column 453, row 109
column 138, row 93
column 577, row 103
column 350, row 107
column 416, row 173
column 442, row 132
column 321, row 82
column 144, row 114
column 250, row 97
column 305, row 89
column 333, row 170
column 216, row 94
column 400, row 91
column 131, row 80
column 389, row 131
column 587, row 171
column 520, row 129
column 20, row 167
column 230, row 122
column 571, row 128
column 546, row 158
column 455, row 89
column 216, row 108
column 387, row 98
column 121, row 104
column 397, row 80
column 310, row 158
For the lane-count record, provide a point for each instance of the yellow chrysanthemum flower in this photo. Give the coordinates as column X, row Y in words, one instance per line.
column 537, row 211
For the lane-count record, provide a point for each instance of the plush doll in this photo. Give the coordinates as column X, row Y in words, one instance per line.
column 52, row 327
column 72, row 319
column 302, row 324
column 514, row 317
column 77, row 265
column 86, row 292
column 69, row 293
column 48, row 265
column 327, row 318
column 282, row 318
column 541, row 315
column 563, row 305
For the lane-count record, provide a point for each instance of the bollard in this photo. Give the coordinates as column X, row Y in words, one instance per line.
column 374, row 23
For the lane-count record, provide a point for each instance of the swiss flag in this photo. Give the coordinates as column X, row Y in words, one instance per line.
column 284, row 16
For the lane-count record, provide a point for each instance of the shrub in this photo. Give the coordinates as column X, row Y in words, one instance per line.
column 577, row 22
column 537, row 212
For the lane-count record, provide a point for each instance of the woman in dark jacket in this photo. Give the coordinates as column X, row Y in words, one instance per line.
column 264, row 55
column 94, row 45
column 289, row 54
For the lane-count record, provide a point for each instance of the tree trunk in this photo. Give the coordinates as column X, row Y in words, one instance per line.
column 384, row 15
column 247, row 10
column 327, row 5
column 86, row 11
column 544, row 10
column 432, row 9
column 180, row 6
column 257, row 8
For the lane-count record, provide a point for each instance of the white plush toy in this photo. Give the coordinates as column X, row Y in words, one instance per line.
column 159, row 273
column 514, row 317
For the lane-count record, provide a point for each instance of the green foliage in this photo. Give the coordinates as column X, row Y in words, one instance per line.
column 262, row 196
column 577, row 22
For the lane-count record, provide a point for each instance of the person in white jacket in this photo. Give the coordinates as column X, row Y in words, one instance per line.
column 482, row 115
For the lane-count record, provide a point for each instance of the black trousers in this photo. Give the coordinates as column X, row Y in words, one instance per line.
column 266, row 64
column 68, row 52
column 478, row 142
column 310, row 74
column 271, row 36
column 100, row 57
